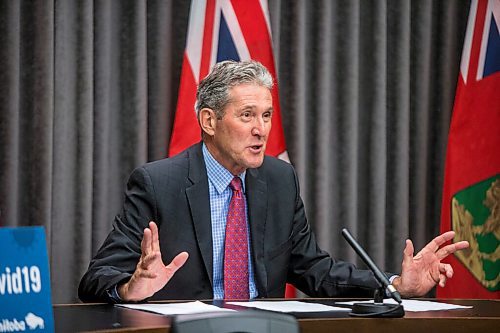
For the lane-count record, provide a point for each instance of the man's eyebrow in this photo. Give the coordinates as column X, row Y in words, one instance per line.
column 248, row 107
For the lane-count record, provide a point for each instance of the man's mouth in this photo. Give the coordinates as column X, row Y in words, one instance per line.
column 256, row 148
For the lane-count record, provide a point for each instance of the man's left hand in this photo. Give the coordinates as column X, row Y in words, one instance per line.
column 422, row 272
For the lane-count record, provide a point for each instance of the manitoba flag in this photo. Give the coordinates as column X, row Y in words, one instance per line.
column 223, row 30
column 471, row 193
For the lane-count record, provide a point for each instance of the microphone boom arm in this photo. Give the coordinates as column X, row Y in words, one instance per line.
column 378, row 308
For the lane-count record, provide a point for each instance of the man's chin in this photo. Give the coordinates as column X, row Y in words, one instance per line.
column 255, row 162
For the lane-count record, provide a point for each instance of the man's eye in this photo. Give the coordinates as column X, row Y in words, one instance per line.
column 267, row 116
column 246, row 114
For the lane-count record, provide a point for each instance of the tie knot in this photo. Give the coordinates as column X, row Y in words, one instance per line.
column 235, row 184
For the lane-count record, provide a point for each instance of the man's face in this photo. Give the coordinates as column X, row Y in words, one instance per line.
column 240, row 137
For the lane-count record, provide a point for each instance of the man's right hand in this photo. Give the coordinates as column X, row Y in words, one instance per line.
column 151, row 274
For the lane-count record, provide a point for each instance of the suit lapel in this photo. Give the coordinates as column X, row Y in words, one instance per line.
column 199, row 204
column 256, row 189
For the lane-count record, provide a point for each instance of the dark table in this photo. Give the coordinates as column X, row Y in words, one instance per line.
column 483, row 317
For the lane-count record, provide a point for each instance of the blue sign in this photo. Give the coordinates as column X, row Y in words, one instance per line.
column 25, row 304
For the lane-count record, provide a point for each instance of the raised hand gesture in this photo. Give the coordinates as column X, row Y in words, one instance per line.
column 150, row 274
column 422, row 272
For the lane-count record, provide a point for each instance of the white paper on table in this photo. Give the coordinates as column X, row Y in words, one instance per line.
column 289, row 306
column 418, row 306
column 176, row 308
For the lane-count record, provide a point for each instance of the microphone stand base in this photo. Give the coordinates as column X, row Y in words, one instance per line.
column 379, row 310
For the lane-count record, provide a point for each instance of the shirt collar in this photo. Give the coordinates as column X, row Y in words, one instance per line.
column 217, row 174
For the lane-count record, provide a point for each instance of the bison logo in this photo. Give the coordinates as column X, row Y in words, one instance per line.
column 33, row 321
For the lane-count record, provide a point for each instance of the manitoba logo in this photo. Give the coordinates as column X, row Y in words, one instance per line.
column 31, row 322
column 476, row 219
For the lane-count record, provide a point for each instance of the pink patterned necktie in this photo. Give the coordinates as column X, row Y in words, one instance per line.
column 236, row 246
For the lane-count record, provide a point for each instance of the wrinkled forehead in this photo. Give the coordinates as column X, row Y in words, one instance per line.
column 250, row 97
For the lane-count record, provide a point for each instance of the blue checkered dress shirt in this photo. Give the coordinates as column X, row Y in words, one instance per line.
column 220, row 196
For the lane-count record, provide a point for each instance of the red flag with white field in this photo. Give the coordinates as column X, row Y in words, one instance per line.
column 224, row 30
column 471, row 193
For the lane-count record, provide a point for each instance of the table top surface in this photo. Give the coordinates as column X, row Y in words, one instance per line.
column 109, row 318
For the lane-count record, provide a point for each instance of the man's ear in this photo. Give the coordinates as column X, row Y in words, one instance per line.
column 208, row 121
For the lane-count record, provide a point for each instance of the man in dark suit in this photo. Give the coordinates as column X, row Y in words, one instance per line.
column 189, row 196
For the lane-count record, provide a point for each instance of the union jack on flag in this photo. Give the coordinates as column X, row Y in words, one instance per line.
column 471, row 192
column 481, row 53
column 222, row 30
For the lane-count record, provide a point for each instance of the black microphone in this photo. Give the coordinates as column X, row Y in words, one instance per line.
column 381, row 277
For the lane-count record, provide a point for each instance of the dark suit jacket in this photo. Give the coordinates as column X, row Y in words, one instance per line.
column 173, row 192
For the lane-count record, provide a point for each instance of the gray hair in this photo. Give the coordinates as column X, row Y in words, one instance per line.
column 213, row 90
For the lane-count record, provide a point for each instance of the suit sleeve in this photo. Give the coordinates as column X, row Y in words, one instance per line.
column 315, row 272
column 117, row 258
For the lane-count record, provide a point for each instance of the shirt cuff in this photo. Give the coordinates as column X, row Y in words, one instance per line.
column 392, row 278
column 113, row 294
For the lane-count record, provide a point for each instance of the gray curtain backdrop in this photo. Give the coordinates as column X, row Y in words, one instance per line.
column 88, row 91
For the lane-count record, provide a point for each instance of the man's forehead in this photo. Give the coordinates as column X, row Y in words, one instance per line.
column 246, row 91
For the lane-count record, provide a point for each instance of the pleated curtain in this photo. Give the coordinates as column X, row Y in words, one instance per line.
column 88, row 91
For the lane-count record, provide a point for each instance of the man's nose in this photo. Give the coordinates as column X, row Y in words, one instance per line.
column 258, row 127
